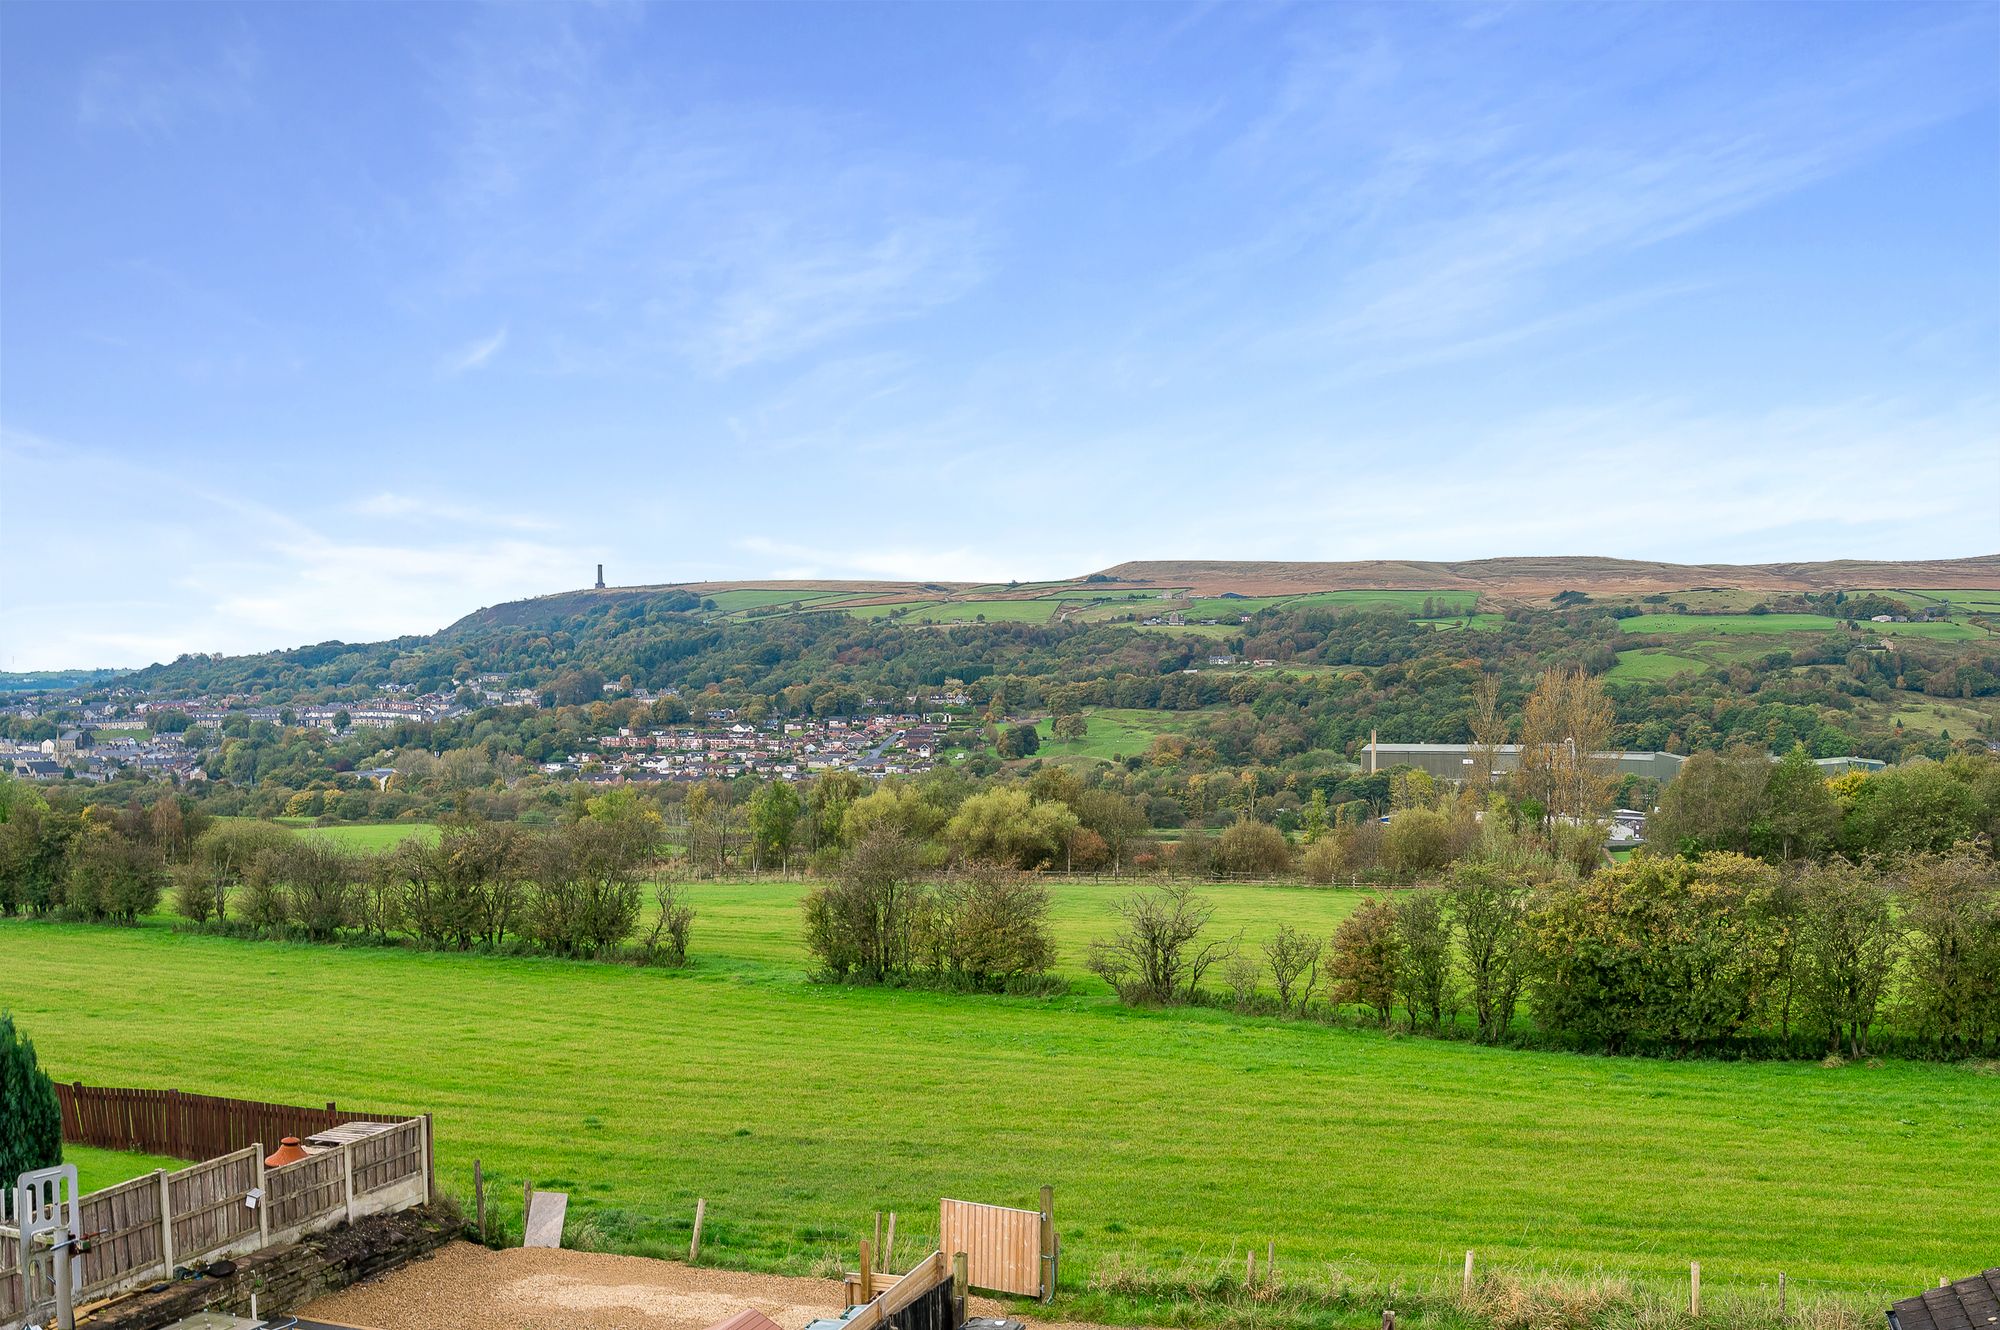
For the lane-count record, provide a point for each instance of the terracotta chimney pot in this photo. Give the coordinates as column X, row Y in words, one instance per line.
column 289, row 1152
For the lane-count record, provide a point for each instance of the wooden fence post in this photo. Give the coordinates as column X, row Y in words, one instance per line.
column 878, row 1236
column 961, row 1275
column 1781, row 1292
column 1694, row 1288
column 166, row 1223
column 889, row 1246
column 1468, row 1272
column 347, row 1178
column 1249, row 1267
column 1388, row 1319
column 694, row 1242
column 867, row 1274
column 1048, row 1242
column 479, row 1197
column 1271, row 1262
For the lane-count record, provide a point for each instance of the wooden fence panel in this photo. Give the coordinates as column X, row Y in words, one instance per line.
column 189, row 1126
column 10, row 1275
column 305, row 1190
column 388, row 1157
column 1003, row 1247
column 208, row 1207
column 125, row 1222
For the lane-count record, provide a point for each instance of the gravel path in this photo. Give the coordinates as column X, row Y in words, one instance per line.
column 540, row 1289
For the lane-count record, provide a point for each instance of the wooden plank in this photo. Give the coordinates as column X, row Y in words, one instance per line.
column 925, row 1276
column 545, row 1219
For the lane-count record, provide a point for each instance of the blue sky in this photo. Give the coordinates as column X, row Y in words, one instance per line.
column 343, row 320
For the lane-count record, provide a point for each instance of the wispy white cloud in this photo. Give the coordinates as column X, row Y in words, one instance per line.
column 721, row 236
column 475, row 355
column 155, row 90
column 276, row 578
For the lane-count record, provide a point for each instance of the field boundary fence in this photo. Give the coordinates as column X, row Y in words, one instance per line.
column 189, row 1126
column 139, row 1232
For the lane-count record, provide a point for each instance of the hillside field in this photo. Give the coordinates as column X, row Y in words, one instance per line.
column 1112, row 732
column 1735, row 625
column 1171, row 1138
column 362, row 836
column 1647, row 663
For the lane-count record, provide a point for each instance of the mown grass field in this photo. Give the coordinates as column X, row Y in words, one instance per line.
column 1172, row 1138
column 1646, row 663
column 362, row 836
column 1112, row 733
column 97, row 1169
column 756, row 923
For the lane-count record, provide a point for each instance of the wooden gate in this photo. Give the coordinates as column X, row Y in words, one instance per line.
column 1007, row 1251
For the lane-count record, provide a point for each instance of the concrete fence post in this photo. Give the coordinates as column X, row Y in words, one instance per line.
column 166, row 1222
column 263, row 1198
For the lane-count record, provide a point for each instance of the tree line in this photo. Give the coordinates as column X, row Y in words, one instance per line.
column 1713, row 954
column 579, row 888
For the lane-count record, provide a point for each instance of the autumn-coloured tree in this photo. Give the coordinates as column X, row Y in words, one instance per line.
column 1566, row 722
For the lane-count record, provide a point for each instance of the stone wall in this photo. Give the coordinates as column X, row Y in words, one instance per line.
column 287, row 1277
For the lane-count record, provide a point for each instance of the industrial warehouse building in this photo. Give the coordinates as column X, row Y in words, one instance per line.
column 1455, row 761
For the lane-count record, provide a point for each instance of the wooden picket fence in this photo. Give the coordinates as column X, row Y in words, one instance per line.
column 188, row 1126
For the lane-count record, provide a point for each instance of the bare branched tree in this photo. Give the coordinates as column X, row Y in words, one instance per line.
column 1160, row 956
column 1294, row 960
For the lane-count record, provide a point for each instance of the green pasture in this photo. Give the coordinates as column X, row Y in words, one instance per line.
column 1733, row 625
column 1113, row 733
column 97, row 1169
column 1739, row 625
column 1647, row 663
column 373, row 835
column 1483, row 623
column 1942, row 630
column 745, row 925
column 1444, row 602
column 1934, row 715
column 1220, row 632
column 756, row 598
column 1985, row 600
column 1172, row 1139
column 961, row 611
column 358, row 836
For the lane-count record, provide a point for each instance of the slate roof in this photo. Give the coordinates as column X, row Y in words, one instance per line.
column 1973, row 1303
